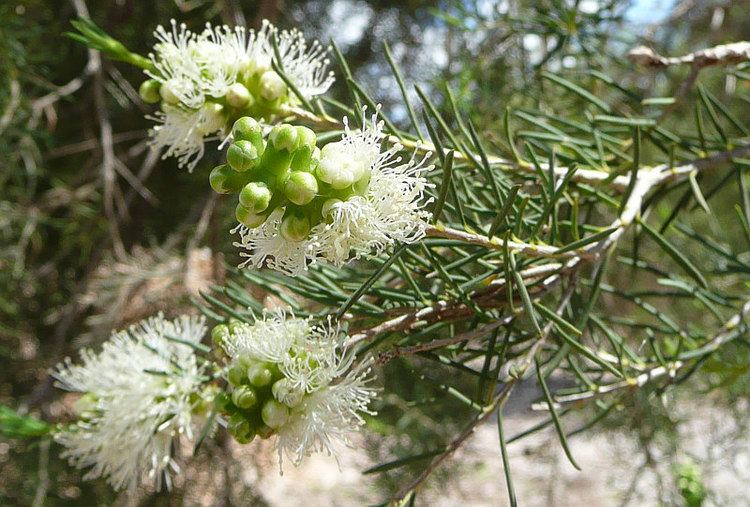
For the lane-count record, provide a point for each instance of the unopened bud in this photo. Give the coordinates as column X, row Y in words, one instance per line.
column 219, row 334
column 220, row 180
column 244, row 397
column 248, row 129
column 275, row 414
column 255, row 197
column 237, row 95
column 247, row 218
column 301, row 188
column 236, row 375
column 242, row 156
column 259, row 375
column 167, row 92
column 272, row 86
column 284, row 137
column 240, row 429
column 306, row 137
column 295, row 228
column 149, row 91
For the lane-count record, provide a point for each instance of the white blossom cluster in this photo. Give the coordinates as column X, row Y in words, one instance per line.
column 140, row 394
column 391, row 209
column 321, row 392
column 206, row 79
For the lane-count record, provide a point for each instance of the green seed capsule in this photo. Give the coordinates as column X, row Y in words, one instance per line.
column 259, row 375
column 238, row 96
column 284, row 137
column 236, row 375
column 275, row 414
column 242, row 156
column 301, row 187
column 247, row 218
column 295, row 228
column 255, row 196
column 244, row 397
column 149, row 91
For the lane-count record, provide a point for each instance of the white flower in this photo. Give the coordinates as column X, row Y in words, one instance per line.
column 181, row 133
column 139, row 398
column 387, row 206
column 196, row 70
column 324, row 393
column 266, row 245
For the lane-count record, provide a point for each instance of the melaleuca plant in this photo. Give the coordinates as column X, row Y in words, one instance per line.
column 463, row 253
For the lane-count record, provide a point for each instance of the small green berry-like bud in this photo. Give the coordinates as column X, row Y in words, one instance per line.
column 149, row 91
column 237, row 95
column 284, row 137
column 222, row 402
column 244, row 397
column 220, row 179
column 219, row 334
column 295, row 228
column 240, row 429
column 306, row 137
column 272, row 86
column 301, row 187
column 247, row 129
column 328, row 206
column 259, row 375
column 166, row 90
column 275, row 414
column 255, row 197
column 242, row 155
column 236, row 375
column 247, row 218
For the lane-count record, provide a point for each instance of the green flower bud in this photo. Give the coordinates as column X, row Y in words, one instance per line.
column 284, row 137
column 276, row 164
column 272, row 86
column 236, row 375
column 240, row 429
column 167, row 93
column 242, row 156
column 248, row 129
column 255, row 197
column 301, row 188
column 259, row 375
column 222, row 402
column 295, row 228
column 238, row 96
column 274, row 414
column 328, row 206
column 219, row 334
column 306, row 137
column 149, row 91
column 244, row 397
column 247, row 218
column 220, row 179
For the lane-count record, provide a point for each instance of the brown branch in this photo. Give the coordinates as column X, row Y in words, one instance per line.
column 725, row 54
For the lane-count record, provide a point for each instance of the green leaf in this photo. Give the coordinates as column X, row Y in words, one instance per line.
column 675, row 253
column 14, row 425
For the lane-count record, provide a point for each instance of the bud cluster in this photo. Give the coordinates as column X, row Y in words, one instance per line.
column 287, row 172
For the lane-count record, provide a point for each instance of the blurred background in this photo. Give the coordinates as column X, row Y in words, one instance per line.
column 97, row 232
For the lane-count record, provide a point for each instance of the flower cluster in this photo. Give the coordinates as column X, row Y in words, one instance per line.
column 205, row 81
column 299, row 204
column 141, row 393
column 294, row 380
